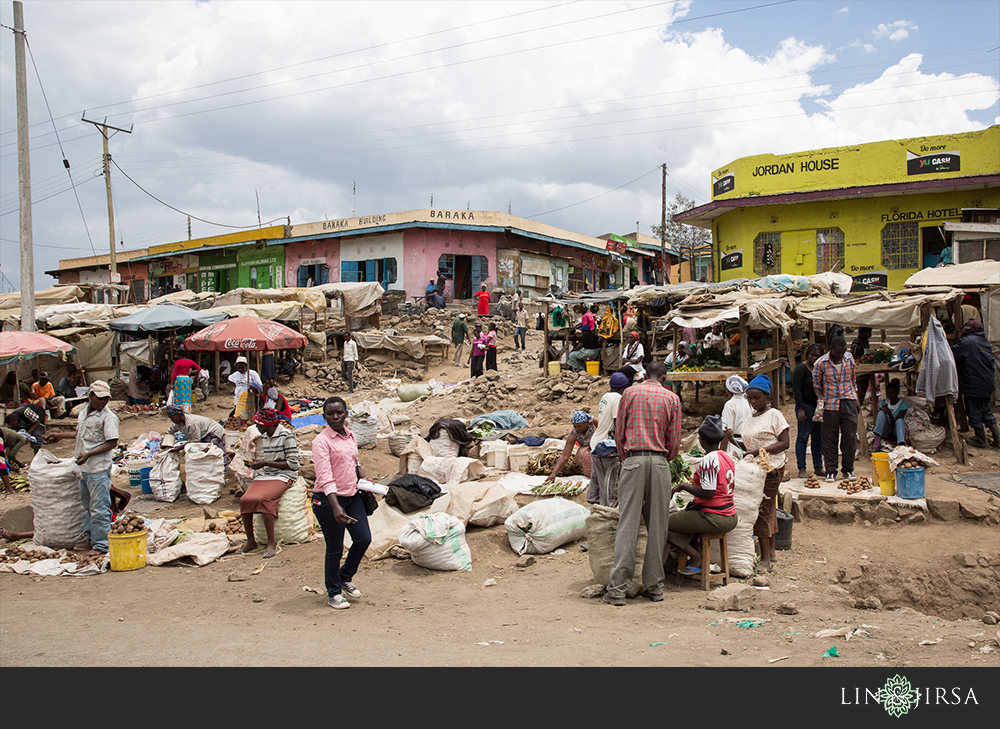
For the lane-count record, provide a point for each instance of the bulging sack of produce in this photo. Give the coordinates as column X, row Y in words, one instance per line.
column 542, row 526
column 437, row 542
column 602, row 526
column 364, row 424
column 294, row 522
column 748, row 491
column 408, row 393
column 165, row 476
column 205, row 469
column 55, row 501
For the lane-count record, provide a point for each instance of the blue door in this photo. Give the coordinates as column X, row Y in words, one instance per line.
column 350, row 271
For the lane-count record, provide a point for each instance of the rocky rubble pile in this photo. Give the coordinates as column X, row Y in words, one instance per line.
column 327, row 377
column 438, row 321
column 571, row 386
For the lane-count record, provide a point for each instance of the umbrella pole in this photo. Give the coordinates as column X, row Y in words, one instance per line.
column 218, row 382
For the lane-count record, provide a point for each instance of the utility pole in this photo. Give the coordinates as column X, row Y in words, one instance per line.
column 104, row 127
column 664, row 265
column 24, row 177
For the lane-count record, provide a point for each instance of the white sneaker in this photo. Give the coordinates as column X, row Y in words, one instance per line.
column 849, row 474
column 350, row 589
column 831, row 477
column 337, row 602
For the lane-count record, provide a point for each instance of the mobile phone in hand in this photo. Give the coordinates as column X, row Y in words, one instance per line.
column 351, row 520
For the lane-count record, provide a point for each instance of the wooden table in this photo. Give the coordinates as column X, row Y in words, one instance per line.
column 747, row 373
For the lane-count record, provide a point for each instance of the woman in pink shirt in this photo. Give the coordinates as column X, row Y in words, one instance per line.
column 337, row 504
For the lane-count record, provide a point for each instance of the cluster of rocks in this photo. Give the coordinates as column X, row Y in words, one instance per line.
column 438, row 321
column 491, row 392
column 878, row 512
column 570, row 386
column 326, row 376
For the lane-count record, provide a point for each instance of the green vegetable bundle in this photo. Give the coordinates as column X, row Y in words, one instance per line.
column 680, row 470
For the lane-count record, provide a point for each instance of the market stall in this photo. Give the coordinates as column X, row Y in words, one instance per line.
column 17, row 347
column 561, row 332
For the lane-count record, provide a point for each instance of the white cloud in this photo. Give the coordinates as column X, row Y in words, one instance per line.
column 862, row 46
column 896, row 31
column 844, row 10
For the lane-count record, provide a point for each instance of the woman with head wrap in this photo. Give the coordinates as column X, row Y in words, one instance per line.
column 276, row 471
column 734, row 414
column 632, row 356
column 713, row 510
column 766, row 431
column 583, row 430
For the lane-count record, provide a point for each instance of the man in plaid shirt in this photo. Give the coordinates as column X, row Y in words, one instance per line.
column 834, row 381
column 648, row 436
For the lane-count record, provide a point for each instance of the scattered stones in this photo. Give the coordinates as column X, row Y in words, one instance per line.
column 991, row 618
column 209, row 512
column 760, row 581
column 786, row 608
column 847, row 574
column 634, row 589
column 525, row 561
column 944, row 509
column 972, row 510
column 837, row 591
column 593, row 591
column 814, row 509
column 237, row 577
column 734, row 596
column 868, row 603
column 842, row 513
column 967, row 559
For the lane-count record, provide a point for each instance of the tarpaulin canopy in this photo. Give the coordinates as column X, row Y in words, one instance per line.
column 276, row 311
column 66, row 315
column 959, row 275
column 415, row 347
column 20, row 346
column 311, row 298
column 54, row 295
column 360, row 299
column 190, row 299
column 164, row 317
column 245, row 333
column 900, row 312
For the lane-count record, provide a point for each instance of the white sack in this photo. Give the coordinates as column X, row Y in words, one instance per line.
column 55, row 500
column 544, row 525
column 202, row 547
column 602, row 528
column 748, row 492
column 205, row 469
column 294, row 522
column 408, row 393
column 165, row 476
column 450, row 472
column 437, row 542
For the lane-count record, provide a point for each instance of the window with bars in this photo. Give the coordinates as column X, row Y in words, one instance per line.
column 900, row 246
column 829, row 250
column 767, row 254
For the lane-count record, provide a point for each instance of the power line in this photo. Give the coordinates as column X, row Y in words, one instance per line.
column 606, row 192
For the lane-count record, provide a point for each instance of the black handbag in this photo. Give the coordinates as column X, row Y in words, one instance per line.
column 369, row 500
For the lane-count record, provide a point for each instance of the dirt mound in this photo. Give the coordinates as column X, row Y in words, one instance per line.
column 963, row 586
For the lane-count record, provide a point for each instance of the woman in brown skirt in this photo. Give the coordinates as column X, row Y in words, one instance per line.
column 766, row 430
column 276, row 471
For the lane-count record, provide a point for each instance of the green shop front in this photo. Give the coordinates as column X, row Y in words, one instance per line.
column 261, row 267
column 217, row 272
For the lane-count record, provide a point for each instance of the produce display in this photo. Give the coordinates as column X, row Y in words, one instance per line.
column 854, row 485
column 880, row 356
column 233, row 526
column 236, row 424
column 16, row 554
column 812, row 482
column 680, row 470
column 544, row 462
column 19, row 482
column 130, row 524
column 910, row 463
column 137, row 409
column 560, row 488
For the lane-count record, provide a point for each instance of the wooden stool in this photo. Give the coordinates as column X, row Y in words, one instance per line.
column 706, row 560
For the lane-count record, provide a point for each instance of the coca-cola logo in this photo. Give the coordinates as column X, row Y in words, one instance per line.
column 241, row 344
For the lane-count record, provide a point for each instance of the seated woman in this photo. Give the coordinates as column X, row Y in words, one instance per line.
column 139, row 385
column 69, row 383
column 713, row 510
column 889, row 423
column 717, row 339
column 276, row 470
column 632, row 356
column 277, row 402
column 583, row 430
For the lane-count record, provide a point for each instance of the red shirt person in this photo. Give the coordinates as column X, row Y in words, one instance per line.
column 183, row 368
column 483, row 296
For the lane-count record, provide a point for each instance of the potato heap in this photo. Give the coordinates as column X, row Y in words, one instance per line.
column 83, row 560
column 853, row 485
column 233, row 526
column 812, row 482
column 910, row 463
column 130, row 524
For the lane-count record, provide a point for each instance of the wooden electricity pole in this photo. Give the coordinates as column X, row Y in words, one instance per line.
column 104, row 127
column 24, row 177
column 664, row 266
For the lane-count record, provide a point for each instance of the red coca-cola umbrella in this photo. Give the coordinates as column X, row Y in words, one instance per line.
column 245, row 334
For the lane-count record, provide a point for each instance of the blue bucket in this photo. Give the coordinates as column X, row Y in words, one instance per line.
column 144, row 475
column 910, row 483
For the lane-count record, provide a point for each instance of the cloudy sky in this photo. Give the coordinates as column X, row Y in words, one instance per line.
column 559, row 111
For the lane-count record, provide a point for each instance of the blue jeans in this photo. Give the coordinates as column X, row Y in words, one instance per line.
column 882, row 428
column 519, row 332
column 805, row 430
column 361, row 536
column 95, row 494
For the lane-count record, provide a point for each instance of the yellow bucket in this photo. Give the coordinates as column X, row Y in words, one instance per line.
column 554, row 369
column 127, row 551
column 593, row 368
column 886, row 481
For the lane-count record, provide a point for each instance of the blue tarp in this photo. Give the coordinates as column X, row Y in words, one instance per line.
column 503, row 419
column 305, row 420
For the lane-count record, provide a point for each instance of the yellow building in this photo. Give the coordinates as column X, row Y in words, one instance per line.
column 876, row 212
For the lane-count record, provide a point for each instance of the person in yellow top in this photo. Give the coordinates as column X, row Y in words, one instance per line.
column 44, row 394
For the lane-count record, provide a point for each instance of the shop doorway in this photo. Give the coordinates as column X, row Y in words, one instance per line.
column 318, row 273
column 465, row 272
column 382, row 270
column 934, row 242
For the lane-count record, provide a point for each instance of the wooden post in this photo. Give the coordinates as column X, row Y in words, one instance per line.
column 956, row 444
column 812, row 332
column 862, row 432
column 218, row 380
column 744, row 343
column 545, row 344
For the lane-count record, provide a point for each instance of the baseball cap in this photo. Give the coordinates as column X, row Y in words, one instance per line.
column 242, row 359
column 43, row 376
column 100, row 388
column 462, row 315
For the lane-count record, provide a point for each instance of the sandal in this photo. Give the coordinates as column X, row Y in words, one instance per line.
column 268, row 554
column 690, row 571
column 247, row 549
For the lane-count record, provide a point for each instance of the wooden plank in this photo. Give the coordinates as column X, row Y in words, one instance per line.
column 744, row 335
column 960, row 455
column 862, row 434
column 794, row 489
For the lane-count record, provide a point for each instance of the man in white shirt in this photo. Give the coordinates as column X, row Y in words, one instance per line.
column 604, row 455
column 350, row 358
column 243, row 379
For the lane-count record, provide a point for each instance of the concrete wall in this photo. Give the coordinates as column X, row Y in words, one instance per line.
column 424, row 246
column 298, row 251
column 861, row 222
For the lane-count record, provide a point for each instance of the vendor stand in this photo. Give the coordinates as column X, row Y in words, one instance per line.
column 18, row 346
column 569, row 334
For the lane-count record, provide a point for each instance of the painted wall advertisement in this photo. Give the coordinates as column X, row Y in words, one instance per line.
column 871, row 281
column 731, row 260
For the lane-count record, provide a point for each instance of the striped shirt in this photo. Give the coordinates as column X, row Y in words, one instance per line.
column 282, row 446
column 649, row 419
column 836, row 385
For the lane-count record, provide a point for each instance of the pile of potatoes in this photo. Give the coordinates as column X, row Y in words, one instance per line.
column 910, row 463
column 812, row 482
column 854, row 485
column 129, row 524
column 233, row 526
column 83, row 560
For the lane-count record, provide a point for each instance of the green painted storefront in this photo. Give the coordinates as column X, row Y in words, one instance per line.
column 217, row 271
column 261, row 267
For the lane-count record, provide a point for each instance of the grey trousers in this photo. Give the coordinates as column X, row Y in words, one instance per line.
column 840, row 427
column 603, row 480
column 643, row 491
column 458, row 353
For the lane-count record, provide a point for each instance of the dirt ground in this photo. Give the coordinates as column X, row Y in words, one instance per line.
column 934, row 578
